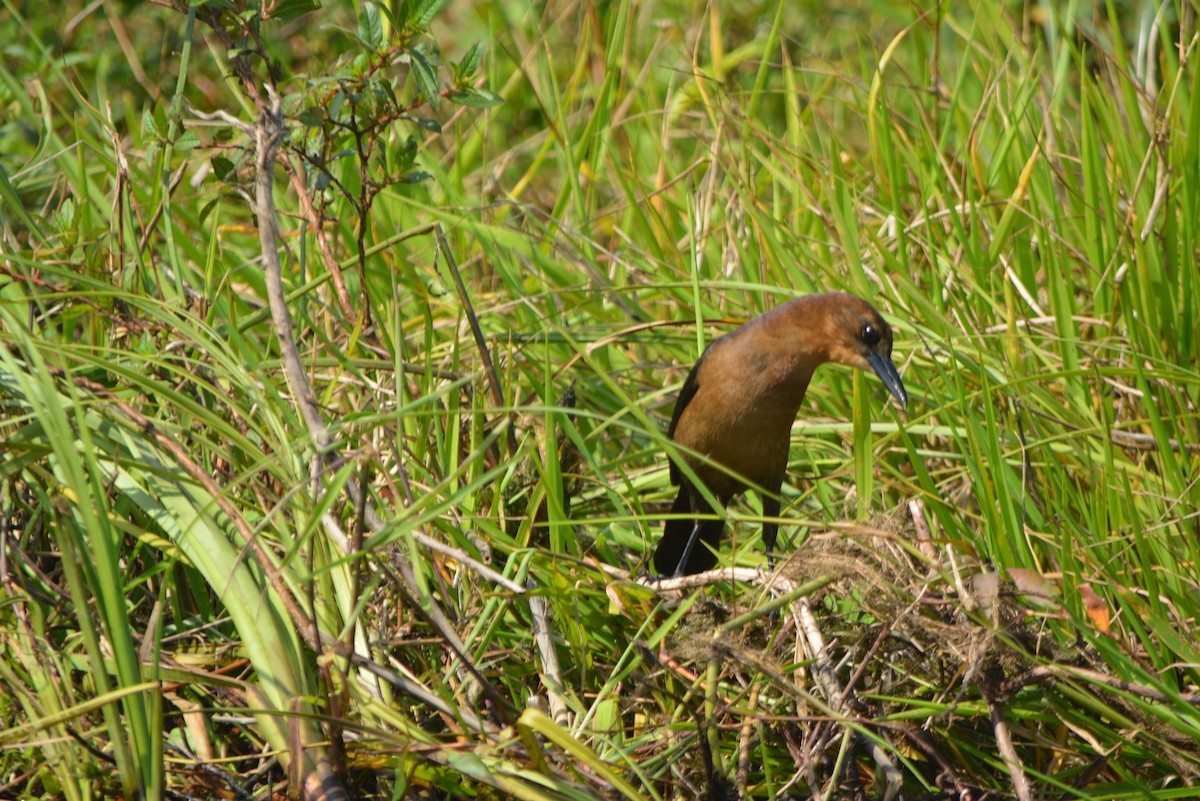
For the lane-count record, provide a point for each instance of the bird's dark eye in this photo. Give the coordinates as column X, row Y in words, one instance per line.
column 870, row 335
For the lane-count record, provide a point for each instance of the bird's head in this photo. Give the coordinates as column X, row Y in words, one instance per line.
column 857, row 336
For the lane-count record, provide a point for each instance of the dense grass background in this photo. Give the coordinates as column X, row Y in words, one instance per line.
column 194, row 604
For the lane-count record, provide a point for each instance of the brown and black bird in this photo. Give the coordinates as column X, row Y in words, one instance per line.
column 734, row 414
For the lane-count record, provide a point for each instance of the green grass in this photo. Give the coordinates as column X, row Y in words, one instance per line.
column 1017, row 189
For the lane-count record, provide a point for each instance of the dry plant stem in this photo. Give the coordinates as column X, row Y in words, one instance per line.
column 1147, row 442
column 465, row 559
column 823, row 669
column 268, row 133
column 916, row 508
column 747, row 733
column 746, row 575
column 814, row 644
column 314, row 221
column 1044, row 672
column 1016, row 772
column 410, row 687
column 551, row 671
column 781, row 586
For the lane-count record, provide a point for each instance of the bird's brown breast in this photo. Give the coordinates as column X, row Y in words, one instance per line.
column 741, row 414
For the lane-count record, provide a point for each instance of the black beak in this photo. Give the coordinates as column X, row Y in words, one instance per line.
column 883, row 367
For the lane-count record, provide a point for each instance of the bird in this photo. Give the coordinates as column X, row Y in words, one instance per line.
column 733, row 418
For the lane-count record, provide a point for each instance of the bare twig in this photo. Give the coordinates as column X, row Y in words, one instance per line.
column 314, row 222
column 220, row 115
column 551, row 671
column 1012, row 761
column 823, row 669
column 1147, row 442
column 465, row 559
column 268, row 134
column 410, row 687
column 916, row 508
column 1044, row 672
column 746, row 575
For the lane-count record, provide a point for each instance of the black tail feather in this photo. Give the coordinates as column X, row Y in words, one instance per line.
column 677, row 532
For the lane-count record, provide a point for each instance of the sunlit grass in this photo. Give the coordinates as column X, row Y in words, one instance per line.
column 1017, row 194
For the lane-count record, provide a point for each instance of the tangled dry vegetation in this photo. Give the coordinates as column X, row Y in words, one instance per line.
column 888, row 637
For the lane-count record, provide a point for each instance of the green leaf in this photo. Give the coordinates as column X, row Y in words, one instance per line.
column 311, row 117
column 398, row 13
column 468, row 764
column 390, row 92
column 289, row 10
column 208, row 208
column 370, row 26
column 187, row 140
column 470, row 62
column 149, row 126
column 406, row 154
column 426, row 77
column 479, row 98
column 425, row 11
column 64, row 218
column 415, row 177
column 222, row 167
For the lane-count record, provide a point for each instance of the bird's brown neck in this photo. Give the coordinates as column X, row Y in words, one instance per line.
column 790, row 339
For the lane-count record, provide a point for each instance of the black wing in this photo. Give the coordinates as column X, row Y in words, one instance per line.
column 690, row 385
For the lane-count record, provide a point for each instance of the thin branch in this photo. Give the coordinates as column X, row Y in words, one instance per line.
column 1044, row 672
column 1012, row 761
column 268, row 134
column 823, row 669
column 551, row 671
column 309, row 210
